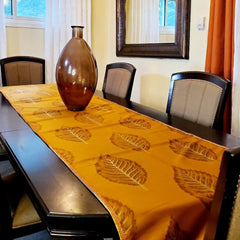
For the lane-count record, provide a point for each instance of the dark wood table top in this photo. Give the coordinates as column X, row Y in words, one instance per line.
column 64, row 203
column 207, row 133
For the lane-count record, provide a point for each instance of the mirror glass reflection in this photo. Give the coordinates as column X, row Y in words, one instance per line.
column 150, row 21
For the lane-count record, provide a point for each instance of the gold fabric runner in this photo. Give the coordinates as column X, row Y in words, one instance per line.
column 156, row 181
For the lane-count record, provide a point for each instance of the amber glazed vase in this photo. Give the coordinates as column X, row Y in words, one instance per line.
column 76, row 72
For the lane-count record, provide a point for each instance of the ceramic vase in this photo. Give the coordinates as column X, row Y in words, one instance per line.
column 76, row 72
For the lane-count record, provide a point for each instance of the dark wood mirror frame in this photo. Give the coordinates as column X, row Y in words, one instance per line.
column 177, row 49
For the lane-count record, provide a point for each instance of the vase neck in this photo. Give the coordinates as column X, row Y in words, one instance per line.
column 77, row 31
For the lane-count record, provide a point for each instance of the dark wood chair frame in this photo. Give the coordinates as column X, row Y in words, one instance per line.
column 20, row 59
column 220, row 81
column 123, row 65
column 225, row 194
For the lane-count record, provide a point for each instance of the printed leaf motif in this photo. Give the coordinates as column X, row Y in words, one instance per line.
column 125, row 216
column 175, row 232
column 74, row 134
column 198, row 184
column 135, row 123
column 130, row 141
column 46, row 113
column 192, row 150
column 89, row 118
column 121, row 170
column 58, row 103
column 64, row 154
column 177, row 130
column 101, row 107
column 30, row 99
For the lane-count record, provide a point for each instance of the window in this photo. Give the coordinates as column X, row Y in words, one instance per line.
column 25, row 13
column 167, row 14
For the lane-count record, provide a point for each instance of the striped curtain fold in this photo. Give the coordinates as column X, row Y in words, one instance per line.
column 143, row 21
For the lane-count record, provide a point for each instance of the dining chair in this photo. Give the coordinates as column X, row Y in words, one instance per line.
column 224, row 218
column 199, row 97
column 118, row 79
column 3, row 153
column 22, row 70
column 18, row 216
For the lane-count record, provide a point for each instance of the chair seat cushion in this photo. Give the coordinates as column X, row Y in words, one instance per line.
column 7, row 172
column 3, row 153
column 25, row 213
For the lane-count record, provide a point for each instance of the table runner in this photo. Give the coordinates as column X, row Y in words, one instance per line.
column 156, row 181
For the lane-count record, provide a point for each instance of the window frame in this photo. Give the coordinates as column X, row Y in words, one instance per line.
column 29, row 22
column 166, row 30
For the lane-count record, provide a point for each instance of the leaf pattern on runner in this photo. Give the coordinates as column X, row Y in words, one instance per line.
column 74, row 134
column 121, row 170
column 192, row 150
column 65, row 155
column 125, row 216
column 136, row 123
column 196, row 183
column 89, row 118
column 174, row 232
column 130, row 141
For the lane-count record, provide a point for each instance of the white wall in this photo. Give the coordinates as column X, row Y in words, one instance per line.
column 25, row 41
column 152, row 76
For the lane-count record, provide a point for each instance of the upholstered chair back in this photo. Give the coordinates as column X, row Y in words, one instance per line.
column 22, row 70
column 200, row 100
column 119, row 79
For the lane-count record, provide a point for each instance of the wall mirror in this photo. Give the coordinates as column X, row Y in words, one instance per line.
column 155, row 28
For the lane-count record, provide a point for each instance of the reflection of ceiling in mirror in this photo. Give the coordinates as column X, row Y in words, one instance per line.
column 142, row 23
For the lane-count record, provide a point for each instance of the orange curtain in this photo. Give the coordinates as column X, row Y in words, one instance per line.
column 219, row 57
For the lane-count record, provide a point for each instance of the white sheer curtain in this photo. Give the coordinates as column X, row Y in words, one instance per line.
column 236, row 75
column 3, row 41
column 60, row 16
column 143, row 21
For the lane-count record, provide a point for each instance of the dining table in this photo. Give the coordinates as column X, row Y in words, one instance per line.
column 118, row 169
